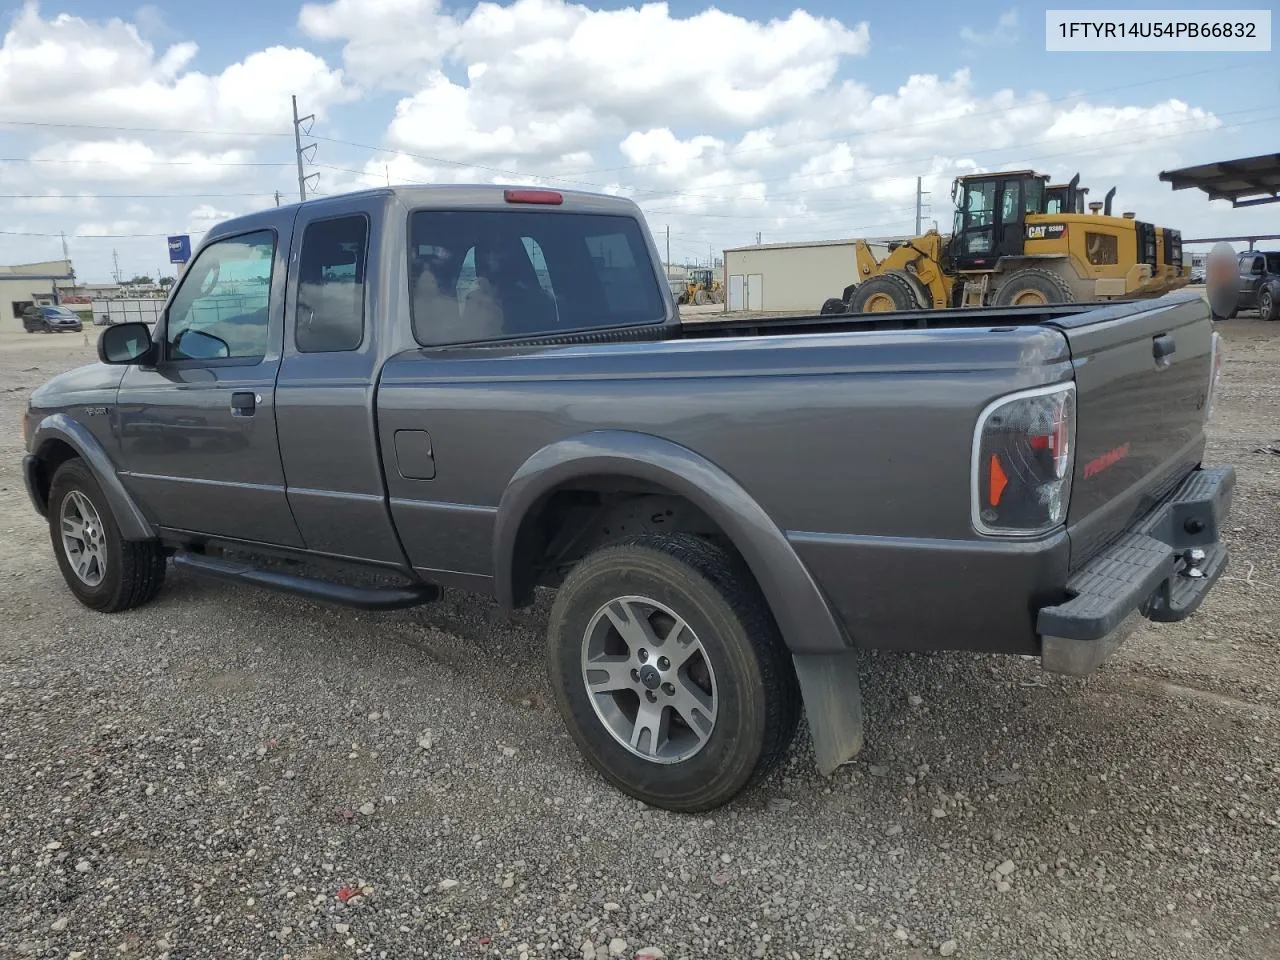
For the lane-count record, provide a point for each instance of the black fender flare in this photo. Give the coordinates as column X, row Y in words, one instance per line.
column 825, row 661
column 132, row 522
column 798, row 605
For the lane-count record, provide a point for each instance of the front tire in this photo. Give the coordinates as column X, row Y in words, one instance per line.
column 1268, row 307
column 105, row 572
column 669, row 671
column 1032, row 287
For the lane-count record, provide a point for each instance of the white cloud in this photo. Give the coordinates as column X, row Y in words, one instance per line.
column 719, row 125
column 66, row 69
column 132, row 161
column 1005, row 31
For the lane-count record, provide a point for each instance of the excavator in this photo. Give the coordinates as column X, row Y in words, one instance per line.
column 1018, row 240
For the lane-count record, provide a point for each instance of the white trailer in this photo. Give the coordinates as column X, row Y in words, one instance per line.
column 142, row 309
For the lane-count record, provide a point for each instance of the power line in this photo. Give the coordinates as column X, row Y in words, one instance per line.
column 128, row 196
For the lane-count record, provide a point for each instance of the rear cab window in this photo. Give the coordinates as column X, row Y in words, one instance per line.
column 479, row 275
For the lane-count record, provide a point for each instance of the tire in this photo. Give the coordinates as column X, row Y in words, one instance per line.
column 1032, row 286
column 882, row 294
column 741, row 670
column 1268, row 307
column 700, row 298
column 832, row 306
column 129, row 573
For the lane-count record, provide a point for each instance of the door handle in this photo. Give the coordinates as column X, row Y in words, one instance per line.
column 243, row 403
column 1162, row 348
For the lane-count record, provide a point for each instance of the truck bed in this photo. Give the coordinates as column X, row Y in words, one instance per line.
column 1060, row 314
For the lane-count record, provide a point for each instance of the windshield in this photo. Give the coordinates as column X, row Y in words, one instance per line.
column 58, row 312
column 489, row 274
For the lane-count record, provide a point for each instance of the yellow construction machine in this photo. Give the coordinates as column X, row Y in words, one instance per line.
column 1017, row 239
column 702, row 286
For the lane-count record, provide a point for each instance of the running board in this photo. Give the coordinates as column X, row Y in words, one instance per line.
column 364, row 598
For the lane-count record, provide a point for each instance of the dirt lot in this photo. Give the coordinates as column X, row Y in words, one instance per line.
column 231, row 773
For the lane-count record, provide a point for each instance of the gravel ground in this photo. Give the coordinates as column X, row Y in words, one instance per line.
column 231, row 773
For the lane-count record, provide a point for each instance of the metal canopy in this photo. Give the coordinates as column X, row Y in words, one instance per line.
column 1246, row 183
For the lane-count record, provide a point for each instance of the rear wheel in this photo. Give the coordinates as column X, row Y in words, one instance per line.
column 832, row 306
column 1268, row 306
column 883, row 294
column 106, row 572
column 669, row 671
column 1032, row 287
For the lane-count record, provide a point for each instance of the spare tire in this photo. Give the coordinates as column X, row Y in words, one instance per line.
column 1032, row 286
column 882, row 294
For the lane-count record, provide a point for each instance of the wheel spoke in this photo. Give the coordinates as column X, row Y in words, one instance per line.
column 695, row 706
column 680, row 644
column 632, row 626
column 649, row 735
column 73, row 527
column 609, row 674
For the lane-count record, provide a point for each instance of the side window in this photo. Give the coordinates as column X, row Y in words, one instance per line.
column 539, row 261
column 1009, row 202
column 220, row 310
column 331, row 278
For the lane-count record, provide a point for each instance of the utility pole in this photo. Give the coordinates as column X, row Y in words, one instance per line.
column 115, row 260
column 277, row 198
column 387, row 168
column 668, row 251
column 920, row 195
column 757, row 238
column 299, row 149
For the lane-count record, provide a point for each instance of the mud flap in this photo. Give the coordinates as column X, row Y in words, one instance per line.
column 833, row 705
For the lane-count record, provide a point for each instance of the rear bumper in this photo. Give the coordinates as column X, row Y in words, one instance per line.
column 1161, row 569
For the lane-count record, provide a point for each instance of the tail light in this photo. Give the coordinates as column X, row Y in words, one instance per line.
column 1023, row 452
column 1215, row 369
column 549, row 197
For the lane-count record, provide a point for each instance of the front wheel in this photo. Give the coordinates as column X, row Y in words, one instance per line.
column 1268, row 307
column 670, row 672
column 106, row 572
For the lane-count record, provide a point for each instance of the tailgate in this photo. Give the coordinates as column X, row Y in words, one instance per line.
column 1143, row 374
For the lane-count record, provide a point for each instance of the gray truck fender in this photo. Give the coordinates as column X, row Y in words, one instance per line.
column 826, row 664
column 58, row 426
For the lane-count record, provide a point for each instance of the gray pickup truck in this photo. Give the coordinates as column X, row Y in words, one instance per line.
column 491, row 389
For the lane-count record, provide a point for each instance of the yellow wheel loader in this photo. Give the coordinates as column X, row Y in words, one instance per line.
column 1007, row 249
column 702, row 287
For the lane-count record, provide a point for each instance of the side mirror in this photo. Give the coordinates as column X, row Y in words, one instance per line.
column 125, row 343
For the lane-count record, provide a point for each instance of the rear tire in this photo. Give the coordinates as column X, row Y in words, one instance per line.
column 1033, row 286
column 718, row 722
column 832, row 306
column 883, row 294
column 124, row 573
column 1268, row 306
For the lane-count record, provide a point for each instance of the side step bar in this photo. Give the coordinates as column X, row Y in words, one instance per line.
column 364, row 598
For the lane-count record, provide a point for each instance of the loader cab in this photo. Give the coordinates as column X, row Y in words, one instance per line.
column 991, row 213
column 1064, row 198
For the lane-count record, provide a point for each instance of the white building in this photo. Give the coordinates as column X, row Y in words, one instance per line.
column 791, row 277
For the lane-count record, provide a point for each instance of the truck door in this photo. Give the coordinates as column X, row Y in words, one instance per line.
column 198, row 430
column 325, row 393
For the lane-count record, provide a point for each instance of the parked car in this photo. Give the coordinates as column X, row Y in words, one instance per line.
column 726, row 511
column 37, row 319
column 1260, row 284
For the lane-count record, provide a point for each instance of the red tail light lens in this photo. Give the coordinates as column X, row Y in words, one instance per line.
column 1024, row 447
column 549, row 197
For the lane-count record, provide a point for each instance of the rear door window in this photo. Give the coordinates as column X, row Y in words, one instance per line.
column 331, row 277
column 477, row 275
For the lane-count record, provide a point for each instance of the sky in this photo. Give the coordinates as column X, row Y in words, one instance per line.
column 121, row 124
